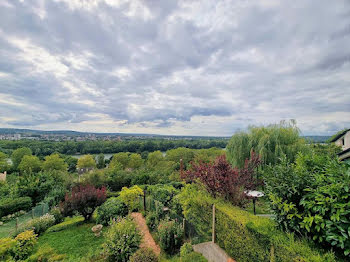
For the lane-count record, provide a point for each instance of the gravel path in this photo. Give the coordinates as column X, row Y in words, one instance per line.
column 147, row 239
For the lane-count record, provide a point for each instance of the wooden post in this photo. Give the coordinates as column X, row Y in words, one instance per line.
column 254, row 200
column 16, row 225
column 213, row 226
column 183, row 224
column 144, row 200
column 42, row 209
column 32, row 213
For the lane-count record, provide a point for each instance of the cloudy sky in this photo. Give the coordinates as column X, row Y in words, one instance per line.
column 206, row 67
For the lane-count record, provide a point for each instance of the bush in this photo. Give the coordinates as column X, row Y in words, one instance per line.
column 41, row 224
column 46, row 254
column 69, row 222
column 111, row 209
column 131, row 197
column 170, row 236
column 84, row 200
column 144, row 255
column 186, row 249
column 12, row 205
column 56, row 212
column 152, row 221
column 246, row 237
column 24, row 246
column 193, row 256
column 122, row 240
column 6, row 246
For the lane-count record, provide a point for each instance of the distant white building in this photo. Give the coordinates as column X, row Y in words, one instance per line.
column 343, row 140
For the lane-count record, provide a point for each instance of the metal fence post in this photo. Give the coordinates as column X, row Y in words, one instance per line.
column 144, row 200
column 32, row 213
column 16, row 225
column 42, row 209
column 213, row 226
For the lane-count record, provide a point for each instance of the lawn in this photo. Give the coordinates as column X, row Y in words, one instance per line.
column 8, row 229
column 77, row 242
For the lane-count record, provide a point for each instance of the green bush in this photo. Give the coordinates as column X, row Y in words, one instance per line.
column 68, row 222
column 111, row 209
column 56, row 212
column 193, row 256
column 41, row 224
column 24, row 246
column 246, row 237
column 186, row 249
column 122, row 240
column 6, row 246
column 144, row 255
column 12, row 205
column 152, row 221
column 131, row 197
column 170, row 235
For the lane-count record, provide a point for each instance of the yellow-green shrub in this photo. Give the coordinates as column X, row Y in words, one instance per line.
column 130, row 196
column 46, row 254
column 25, row 242
column 6, row 246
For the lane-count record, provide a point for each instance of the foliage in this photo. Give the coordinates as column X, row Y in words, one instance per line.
column 86, row 161
column 6, row 246
column 120, row 158
column 246, row 237
column 135, row 161
column 170, row 236
column 46, row 254
column 41, row 224
column 130, row 196
column 193, row 256
column 84, row 200
column 18, row 154
column 312, row 197
column 96, row 177
column 186, row 249
column 54, row 162
column 186, row 154
column 337, row 134
column 122, row 240
column 220, row 179
column 29, row 164
column 144, row 255
column 117, row 179
column 154, row 158
column 270, row 142
column 24, row 246
column 113, row 208
column 12, row 205
column 68, row 223
column 100, row 161
column 57, row 214
column 71, row 163
column 3, row 162
column 162, row 193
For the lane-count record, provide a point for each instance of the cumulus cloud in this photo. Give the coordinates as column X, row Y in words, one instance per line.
column 174, row 67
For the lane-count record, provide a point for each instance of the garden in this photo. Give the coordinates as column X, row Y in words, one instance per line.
column 155, row 207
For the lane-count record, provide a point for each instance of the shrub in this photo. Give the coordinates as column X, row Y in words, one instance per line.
column 84, row 200
column 6, row 246
column 170, row 236
column 122, row 240
column 111, row 209
column 246, row 237
column 193, row 256
column 144, row 255
column 130, row 196
column 46, row 254
column 186, row 249
column 40, row 224
column 69, row 222
column 220, row 179
column 56, row 212
column 24, row 246
column 162, row 193
column 152, row 221
column 12, row 205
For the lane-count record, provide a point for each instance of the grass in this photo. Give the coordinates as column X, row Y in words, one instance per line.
column 76, row 242
column 261, row 206
column 8, row 229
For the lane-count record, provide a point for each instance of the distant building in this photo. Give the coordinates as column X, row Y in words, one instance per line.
column 343, row 140
column 3, row 176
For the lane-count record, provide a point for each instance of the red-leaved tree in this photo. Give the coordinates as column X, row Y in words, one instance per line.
column 83, row 199
column 220, row 179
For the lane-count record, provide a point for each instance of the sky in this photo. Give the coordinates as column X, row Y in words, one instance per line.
column 208, row 67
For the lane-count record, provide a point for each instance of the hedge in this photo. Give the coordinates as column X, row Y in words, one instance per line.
column 246, row 237
column 12, row 205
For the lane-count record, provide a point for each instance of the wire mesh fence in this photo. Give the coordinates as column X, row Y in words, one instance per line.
column 11, row 227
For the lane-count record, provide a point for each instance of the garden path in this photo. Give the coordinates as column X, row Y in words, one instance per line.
column 147, row 239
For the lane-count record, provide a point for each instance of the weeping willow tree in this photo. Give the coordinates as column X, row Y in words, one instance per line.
column 271, row 143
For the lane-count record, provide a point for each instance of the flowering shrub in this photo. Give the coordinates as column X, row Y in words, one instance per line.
column 111, row 209
column 170, row 236
column 144, row 255
column 84, row 200
column 24, row 246
column 220, row 179
column 56, row 212
column 122, row 240
column 40, row 224
column 130, row 196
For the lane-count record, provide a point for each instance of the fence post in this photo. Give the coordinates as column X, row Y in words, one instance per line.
column 32, row 213
column 42, row 209
column 183, row 225
column 144, row 200
column 213, row 226
column 16, row 225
